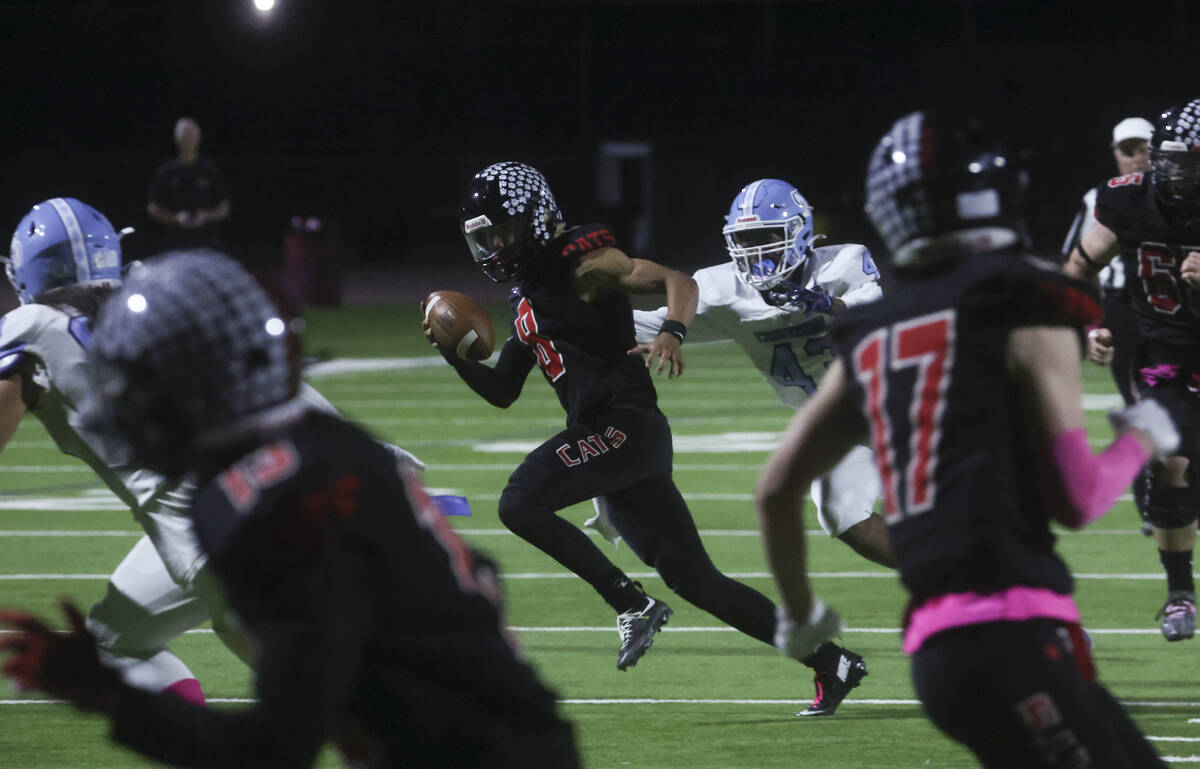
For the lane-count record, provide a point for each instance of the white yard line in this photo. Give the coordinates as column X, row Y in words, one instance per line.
column 634, row 574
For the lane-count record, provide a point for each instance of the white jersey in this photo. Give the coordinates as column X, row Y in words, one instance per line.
column 49, row 347
column 791, row 349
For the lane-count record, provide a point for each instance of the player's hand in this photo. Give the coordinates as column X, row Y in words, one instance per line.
column 1100, row 346
column 66, row 665
column 1150, row 423
column 800, row 640
column 665, row 350
column 184, row 219
column 1190, row 269
column 806, row 300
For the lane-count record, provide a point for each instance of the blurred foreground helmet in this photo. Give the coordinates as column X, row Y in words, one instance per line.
column 768, row 232
column 189, row 352
column 938, row 188
column 508, row 213
column 1175, row 158
column 62, row 242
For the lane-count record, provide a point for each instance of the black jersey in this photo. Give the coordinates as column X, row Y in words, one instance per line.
column 1152, row 249
column 582, row 347
column 373, row 626
column 964, row 505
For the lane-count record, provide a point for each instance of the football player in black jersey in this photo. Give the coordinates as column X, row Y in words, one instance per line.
column 1152, row 223
column 966, row 381
column 572, row 317
column 375, row 626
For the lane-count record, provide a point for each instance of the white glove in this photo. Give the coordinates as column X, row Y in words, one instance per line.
column 800, row 641
column 1152, row 419
column 404, row 459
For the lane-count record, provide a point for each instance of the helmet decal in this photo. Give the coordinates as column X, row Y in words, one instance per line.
column 508, row 213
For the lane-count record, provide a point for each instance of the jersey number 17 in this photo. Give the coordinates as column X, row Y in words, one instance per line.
column 925, row 343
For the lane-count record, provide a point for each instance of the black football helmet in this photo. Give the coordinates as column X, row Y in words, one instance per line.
column 508, row 213
column 940, row 187
column 191, row 354
column 1175, row 158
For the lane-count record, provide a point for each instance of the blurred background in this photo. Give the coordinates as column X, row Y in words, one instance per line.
column 346, row 129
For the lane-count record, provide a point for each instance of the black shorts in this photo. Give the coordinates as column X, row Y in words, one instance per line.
column 1023, row 694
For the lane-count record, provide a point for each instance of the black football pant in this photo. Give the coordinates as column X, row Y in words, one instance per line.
column 1023, row 695
column 625, row 456
column 1171, row 375
column 1120, row 319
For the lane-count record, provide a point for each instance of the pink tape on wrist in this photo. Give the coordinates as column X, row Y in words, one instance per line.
column 1093, row 482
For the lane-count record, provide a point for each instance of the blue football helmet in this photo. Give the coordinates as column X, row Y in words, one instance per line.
column 62, row 242
column 769, row 232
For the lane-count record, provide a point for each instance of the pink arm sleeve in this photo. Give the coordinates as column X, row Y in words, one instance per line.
column 1093, row 482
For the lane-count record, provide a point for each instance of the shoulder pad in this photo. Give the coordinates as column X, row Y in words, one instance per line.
column 1121, row 201
column 577, row 241
column 19, row 332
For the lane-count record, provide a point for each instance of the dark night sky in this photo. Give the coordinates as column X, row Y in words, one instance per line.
column 376, row 113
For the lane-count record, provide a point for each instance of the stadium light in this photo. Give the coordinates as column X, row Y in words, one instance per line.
column 264, row 6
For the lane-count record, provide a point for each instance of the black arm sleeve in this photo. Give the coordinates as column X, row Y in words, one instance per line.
column 502, row 385
column 310, row 651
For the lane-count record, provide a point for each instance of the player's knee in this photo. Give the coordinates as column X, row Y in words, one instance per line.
column 1170, row 507
column 687, row 574
column 520, row 508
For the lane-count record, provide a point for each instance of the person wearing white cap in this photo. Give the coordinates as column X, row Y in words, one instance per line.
column 1112, row 344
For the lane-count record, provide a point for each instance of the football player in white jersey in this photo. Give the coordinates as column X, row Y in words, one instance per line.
column 776, row 298
column 65, row 259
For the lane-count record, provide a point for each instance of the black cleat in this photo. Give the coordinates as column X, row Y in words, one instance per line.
column 834, row 683
column 1178, row 616
column 637, row 629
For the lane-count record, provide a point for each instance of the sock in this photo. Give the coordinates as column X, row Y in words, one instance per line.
column 623, row 594
column 188, row 690
column 1178, row 565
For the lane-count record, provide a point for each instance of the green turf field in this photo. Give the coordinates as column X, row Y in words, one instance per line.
column 704, row 697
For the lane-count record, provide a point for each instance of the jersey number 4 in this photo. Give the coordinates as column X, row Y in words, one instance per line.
column 926, row 344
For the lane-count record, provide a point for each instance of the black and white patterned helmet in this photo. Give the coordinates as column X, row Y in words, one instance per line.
column 1175, row 158
column 939, row 187
column 508, row 213
column 189, row 347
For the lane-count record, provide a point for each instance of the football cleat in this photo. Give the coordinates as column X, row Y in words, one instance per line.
column 637, row 629
column 1178, row 616
column 834, row 683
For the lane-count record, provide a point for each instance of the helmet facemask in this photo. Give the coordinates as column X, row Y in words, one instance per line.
column 768, row 232
column 1176, row 174
column 508, row 215
column 501, row 250
column 766, row 253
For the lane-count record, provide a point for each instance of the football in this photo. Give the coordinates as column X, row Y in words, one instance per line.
column 458, row 323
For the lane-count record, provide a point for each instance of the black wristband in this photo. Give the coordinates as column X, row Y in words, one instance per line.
column 673, row 327
column 1087, row 257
